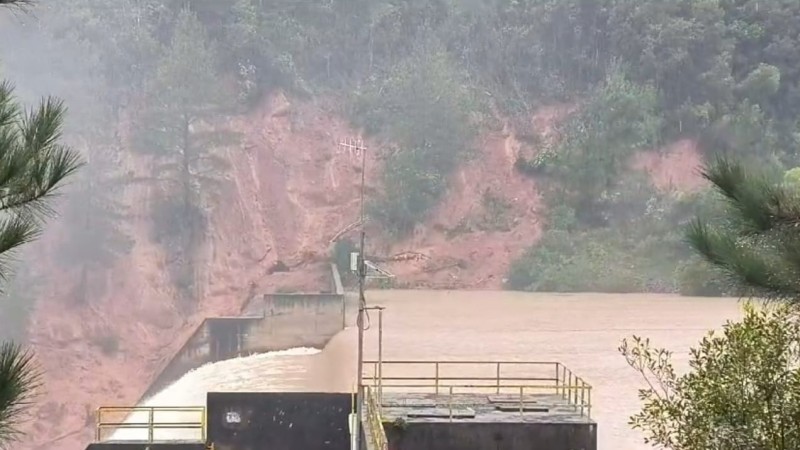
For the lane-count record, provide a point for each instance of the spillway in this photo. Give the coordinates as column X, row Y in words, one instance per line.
column 582, row 330
column 273, row 371
column 331, row 369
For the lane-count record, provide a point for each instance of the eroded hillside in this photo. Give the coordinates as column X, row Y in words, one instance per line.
column 289, row 190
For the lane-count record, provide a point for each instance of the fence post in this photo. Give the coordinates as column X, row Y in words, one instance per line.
column 380, row 356
column 99, row 424
column 498, row 377
column 558, row 388
column 450, row 403
column 521, row 406
column 204, row 425
column 437, row 378
column 583, row 390
column 589, row 412
column 569, row 392
column 150, row 413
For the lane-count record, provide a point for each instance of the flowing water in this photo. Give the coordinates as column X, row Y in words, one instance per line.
column 583, row 331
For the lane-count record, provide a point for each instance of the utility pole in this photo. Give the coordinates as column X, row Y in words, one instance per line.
column 354, row 147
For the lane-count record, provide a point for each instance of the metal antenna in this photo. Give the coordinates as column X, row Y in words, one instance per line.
column 356, row 148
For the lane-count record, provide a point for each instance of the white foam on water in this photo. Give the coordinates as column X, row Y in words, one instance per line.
column 273, row 371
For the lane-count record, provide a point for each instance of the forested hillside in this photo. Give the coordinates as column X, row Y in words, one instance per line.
column 425, row 78
column 174, row 103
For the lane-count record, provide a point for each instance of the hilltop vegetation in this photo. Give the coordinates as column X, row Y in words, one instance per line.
column 424, row 77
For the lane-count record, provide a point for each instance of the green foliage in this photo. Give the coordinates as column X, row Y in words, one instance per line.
column 791, row 179
column 33, row 164
column 640, row 250
column 756, row 242
column 597, row 261
column 598, row 143
column 177, row 228
column 174, row 128
column 642, row 72
column 19, row 381
column 119, row 37
column 737, row 133
column 695, row 277
column 422, row 108
column 742, row 390
column 95, row 215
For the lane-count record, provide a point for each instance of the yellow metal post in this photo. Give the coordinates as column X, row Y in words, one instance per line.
column 204, row 426
column 589, row 412
column 498, row 378
column 583, row 390
column 557, row 370
column 150, row 425
column 99, row 425
column 437, row 377
column 569, row 392
column 450, row 403
column 380, row 357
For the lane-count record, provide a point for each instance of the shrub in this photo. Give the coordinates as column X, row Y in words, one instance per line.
column 695, row 277
column 422, row 108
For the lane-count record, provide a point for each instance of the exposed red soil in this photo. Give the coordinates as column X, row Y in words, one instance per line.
column 289, row 190
column 675, row 167
column 467, row 245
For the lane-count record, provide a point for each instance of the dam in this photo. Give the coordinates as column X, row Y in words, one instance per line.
column 582, row 331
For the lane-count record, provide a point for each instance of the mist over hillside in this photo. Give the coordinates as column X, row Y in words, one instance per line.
column 541, row 145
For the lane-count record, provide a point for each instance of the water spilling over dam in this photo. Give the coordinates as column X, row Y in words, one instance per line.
column 583, row 331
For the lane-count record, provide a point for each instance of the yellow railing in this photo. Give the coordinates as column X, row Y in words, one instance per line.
column 376, row 432
column 144, row 421
column 464, row 377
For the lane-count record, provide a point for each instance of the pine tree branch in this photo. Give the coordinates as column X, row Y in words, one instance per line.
column 758, row 247
column 35, row 165
column 19, row 380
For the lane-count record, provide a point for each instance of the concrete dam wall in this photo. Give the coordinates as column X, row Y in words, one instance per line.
column 268, row 323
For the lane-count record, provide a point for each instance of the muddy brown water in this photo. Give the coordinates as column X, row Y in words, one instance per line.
column 582, row 331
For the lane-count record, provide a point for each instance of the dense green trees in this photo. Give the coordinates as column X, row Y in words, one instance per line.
column 182, row 92
column 643, row 73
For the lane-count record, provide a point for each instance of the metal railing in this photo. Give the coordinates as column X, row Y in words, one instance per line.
column 481, row 377
column 146, row 420
column 377, row 434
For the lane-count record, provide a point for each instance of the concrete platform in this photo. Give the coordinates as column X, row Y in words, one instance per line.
column 480, row 408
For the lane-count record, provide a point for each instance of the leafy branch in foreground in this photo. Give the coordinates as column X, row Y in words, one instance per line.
column 758, row 245
column 742, row 390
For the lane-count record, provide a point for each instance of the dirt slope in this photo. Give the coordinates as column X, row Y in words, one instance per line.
column 289, row 190
column 487, row 218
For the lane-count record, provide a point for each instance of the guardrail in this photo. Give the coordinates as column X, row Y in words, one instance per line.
column 463, row 377
column 146, row 420
column 376, row 432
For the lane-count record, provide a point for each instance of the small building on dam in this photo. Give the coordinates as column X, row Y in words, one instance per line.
column 406, row 405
